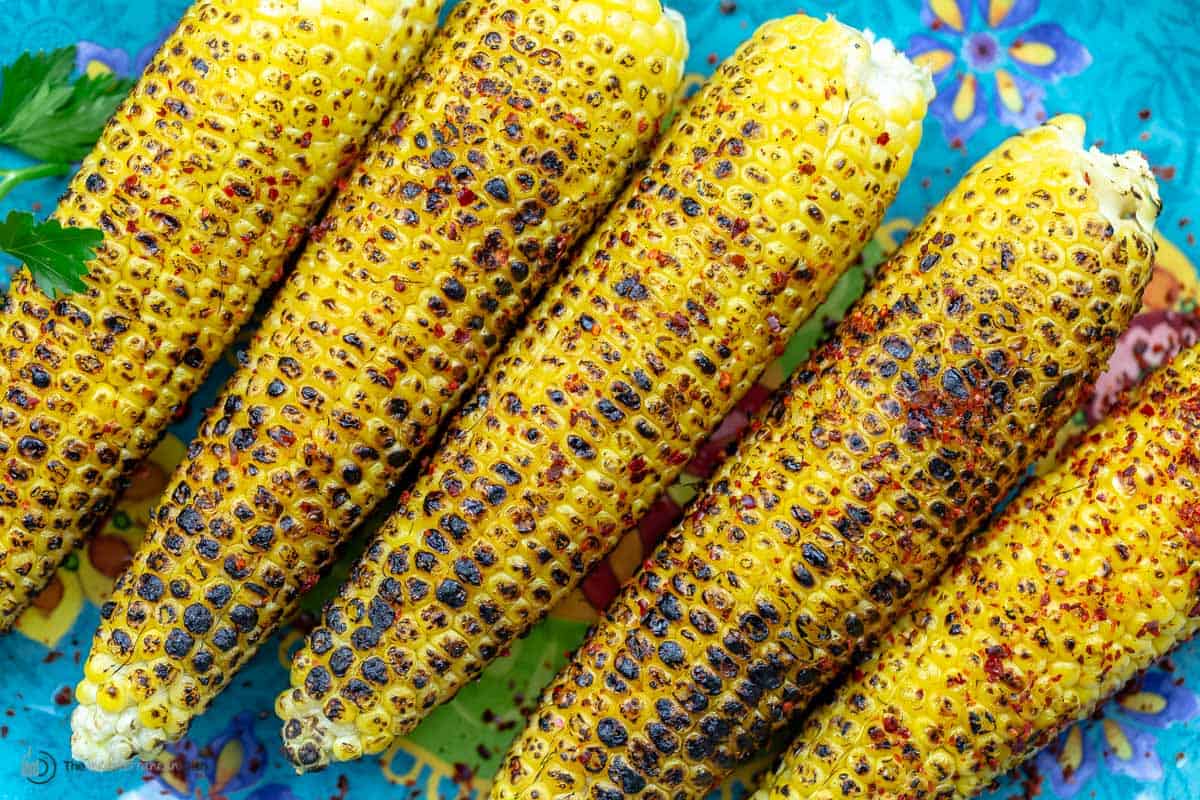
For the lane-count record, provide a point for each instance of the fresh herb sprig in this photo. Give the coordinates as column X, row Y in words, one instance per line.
column 51, row 115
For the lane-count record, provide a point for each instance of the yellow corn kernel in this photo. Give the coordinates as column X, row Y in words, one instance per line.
column 877, row 460
column 1016, row 604
column 730, row 237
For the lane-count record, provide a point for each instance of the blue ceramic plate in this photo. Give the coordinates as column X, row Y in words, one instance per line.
column 1130, row 69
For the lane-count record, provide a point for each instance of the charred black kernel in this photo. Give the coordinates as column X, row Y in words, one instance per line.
column 178, row 643
column 456, row 526
column 611, row 732
column 437, row 542
column 691, row 207
column 208, row 548
column 706, row 679
column 705, row 364
column 662, row 738
column 580, row 447
column 190, row 520
column 374, row 669
column 624, row 776
column 95, row 183
column 953, row 382
column 202, row 661
column 318, row 681
column 380, row 613
column 243, row 617
column 645, row 430
column 341, row 660
column 854, row 625
column 587, row 322
column 31, row 447
column 39, row 377
column 556, row 397
column 632, row 288
column 243, row 438
column 320, row 641
column 671, row 653
column 425, row 561
column 454, row 289
column 180, row 589
column 236, row 567
column 122, row 641
column 897, row 347
column 225, row 638
column 451, row 593
column 364, row 638
column 507, row 474
column 671, row 714
column 626, row 396
column 197, row 618
column 754, row 627
column 698, row 747
column 766, row 675
column 262, row 536
column 941, row 469
column 498, row 189
column 609, row 411
column 669, row 606
column 150, row 587
column 814, row 555
column 218, row 595
column 929, row 261
column 495, row 494
column 441, row 158
column 467, row 571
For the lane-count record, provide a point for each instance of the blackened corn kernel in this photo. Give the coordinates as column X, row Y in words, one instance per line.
column 1105, row 549
column 395, row 308
column 664, row 318
column 804, row 549
column 201, row 184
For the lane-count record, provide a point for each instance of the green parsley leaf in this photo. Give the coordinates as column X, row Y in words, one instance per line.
column 47, row 115
column 55, row 256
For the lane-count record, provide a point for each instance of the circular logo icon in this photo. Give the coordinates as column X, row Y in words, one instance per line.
column 39, row 768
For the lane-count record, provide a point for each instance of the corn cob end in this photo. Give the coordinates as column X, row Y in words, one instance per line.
column 105, row 741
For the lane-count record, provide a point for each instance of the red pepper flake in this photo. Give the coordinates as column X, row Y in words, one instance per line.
column 272, row 193
column 306, row 139
column 643, row 126
column 325, row 121
column 228, row 190
column 712, row 59
column 131, row 227
column 439, row 331
column 1166, row 173
column 466, row 197
column 1144, row 114
column 882, row 139
column 63, row 696
column 807, row 169
column 725, row 381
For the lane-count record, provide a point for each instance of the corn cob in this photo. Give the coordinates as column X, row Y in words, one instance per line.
column 761, row 194
column 936, row 393
column 202, row 183
column 515, row 134
column 1089, row 577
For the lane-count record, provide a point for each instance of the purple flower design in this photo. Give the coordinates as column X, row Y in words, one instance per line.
column 232, row 761
column 992, row 68
column 94, row 59
column 1125, row 741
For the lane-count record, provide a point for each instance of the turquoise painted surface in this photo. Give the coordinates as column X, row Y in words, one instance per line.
column 1130, row 69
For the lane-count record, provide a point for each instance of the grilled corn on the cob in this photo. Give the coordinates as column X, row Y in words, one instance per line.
column 514, row 135
column 939, row 389
column 1091, row 574
column 202, row 183
column 762, row 193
